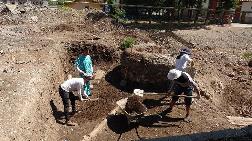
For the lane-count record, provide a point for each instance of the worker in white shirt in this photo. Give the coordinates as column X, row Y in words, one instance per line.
column 182, row 59
column 183, row 84
column 66, row 92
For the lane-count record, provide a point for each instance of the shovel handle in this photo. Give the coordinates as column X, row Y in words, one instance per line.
column 167, row 94
column 94, row 99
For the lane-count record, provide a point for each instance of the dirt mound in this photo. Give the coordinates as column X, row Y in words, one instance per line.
column 93, row 110
column 99, row 52
column 134, row 105
column 239, row 98
column 237, row 94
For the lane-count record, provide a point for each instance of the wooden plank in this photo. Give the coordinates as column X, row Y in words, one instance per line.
column 243, row 121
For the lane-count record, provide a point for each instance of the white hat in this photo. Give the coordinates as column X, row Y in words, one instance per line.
column 174, row 74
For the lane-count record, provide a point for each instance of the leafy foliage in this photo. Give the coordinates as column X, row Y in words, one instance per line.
column 116, row 12
column 228, row 4
column 128, row 42
column 58, row 2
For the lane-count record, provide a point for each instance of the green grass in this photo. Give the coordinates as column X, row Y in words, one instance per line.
column 127, row 42
column 247, row 55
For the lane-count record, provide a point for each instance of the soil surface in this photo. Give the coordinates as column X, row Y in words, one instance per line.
column 36, row 59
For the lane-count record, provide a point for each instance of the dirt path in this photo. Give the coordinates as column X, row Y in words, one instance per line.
column 25, row 90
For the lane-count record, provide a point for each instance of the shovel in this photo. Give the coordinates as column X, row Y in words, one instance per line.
column 93, row 99
column 141, row 93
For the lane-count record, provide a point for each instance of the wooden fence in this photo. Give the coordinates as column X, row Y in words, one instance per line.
column 166, row 14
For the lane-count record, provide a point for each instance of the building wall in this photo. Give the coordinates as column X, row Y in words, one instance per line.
column 247, row 10
column 246, row 6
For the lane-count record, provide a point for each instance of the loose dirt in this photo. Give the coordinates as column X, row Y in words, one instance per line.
column 35, row 61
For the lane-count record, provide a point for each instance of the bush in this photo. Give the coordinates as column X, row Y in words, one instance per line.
column 128, row 42
column 116, row 12
column 119, row 15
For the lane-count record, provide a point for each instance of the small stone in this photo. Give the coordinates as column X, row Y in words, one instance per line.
column 232, row 74
column 204, row 93
column 5, row 71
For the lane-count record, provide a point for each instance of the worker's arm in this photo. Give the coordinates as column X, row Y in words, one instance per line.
column 82, row 93
column 196, row 88
column 171, row 87
column 80, row 71
column 194, row 84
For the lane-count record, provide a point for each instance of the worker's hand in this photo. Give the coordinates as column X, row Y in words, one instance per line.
column 88, row 78
column 198, row 96
column 93, row 77
column 82, row 99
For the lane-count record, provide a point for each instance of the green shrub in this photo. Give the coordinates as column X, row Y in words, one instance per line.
column 116, row 12
column 119, row 15
column 127, row 42
column 56, row 2
column 247, row 55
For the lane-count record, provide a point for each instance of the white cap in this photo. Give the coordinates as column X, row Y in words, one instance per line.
column 174, row 74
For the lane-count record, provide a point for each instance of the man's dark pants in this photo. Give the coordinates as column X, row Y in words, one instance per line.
column 66, row 98
column 186, row 90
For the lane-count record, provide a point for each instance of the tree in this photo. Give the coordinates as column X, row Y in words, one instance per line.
column 228, row 4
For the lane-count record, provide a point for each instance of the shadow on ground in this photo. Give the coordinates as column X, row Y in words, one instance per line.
column 58, row 115
column 119, row 124
column 240, row 134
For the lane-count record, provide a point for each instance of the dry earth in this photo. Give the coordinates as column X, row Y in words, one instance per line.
column 35, row 59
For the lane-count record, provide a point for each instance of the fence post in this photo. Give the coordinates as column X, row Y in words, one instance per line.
column 178, row 16
column 208, row 15
column 136, row 14
column 149, row 14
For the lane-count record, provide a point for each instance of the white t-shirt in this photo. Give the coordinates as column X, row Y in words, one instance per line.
column 181, row 63
column 74, row 84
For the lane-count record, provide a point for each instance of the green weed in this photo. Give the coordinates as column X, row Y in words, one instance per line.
column 127, row 42
column 247, row 55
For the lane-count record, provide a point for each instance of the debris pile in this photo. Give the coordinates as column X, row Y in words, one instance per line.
column 134, row 105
